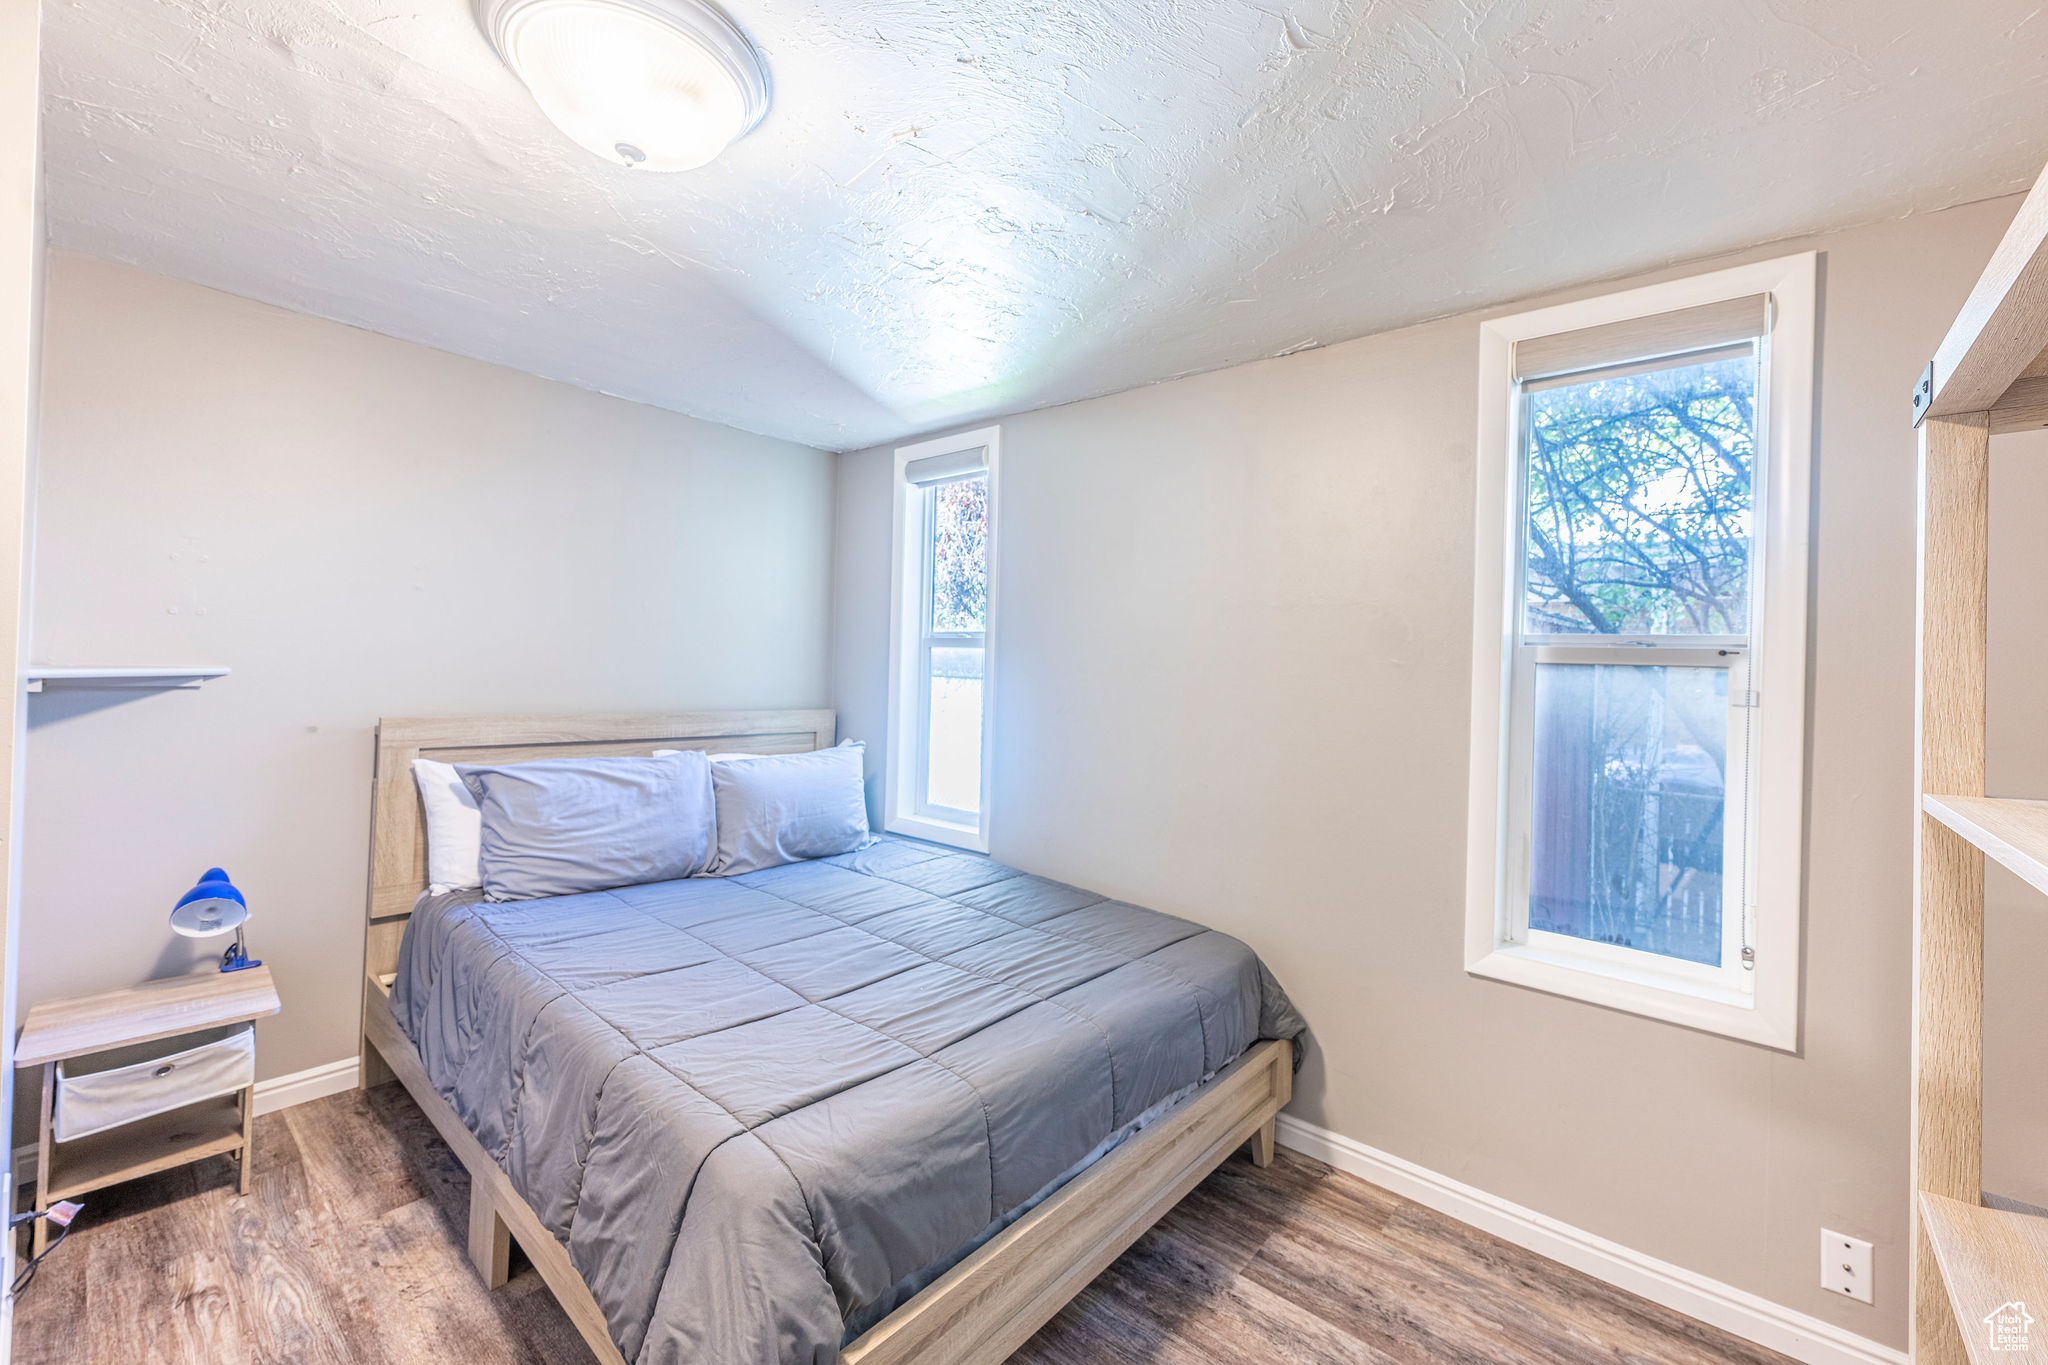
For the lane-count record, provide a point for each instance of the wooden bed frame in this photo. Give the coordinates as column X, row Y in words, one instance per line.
column 980, row 1311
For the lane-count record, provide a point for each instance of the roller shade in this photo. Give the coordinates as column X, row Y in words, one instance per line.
column 1661, row 334
column 953, row 464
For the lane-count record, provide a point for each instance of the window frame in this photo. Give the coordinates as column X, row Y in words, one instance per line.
column 905, row 779
column 1498, row 944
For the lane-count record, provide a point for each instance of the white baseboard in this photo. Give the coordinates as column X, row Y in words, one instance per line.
column 1747, row 1315
column 279, row 1092
column 315, row 1082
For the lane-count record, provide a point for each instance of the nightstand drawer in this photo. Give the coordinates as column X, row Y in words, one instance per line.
column 108, row 1089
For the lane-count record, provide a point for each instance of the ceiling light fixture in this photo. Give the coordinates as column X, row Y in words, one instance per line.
column 654, row 85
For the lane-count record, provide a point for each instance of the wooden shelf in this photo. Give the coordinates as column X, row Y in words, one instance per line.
column 1989, row 1259
column 1984, row 377
column 146, row 1146
column 43, row 677
column 2015, row 833
column 163, row 1008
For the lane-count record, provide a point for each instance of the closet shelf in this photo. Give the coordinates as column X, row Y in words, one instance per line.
column 1991, row 1262
column 42, row 677
column 2015, row 833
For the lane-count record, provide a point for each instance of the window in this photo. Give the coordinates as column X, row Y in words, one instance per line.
column 940, row 682
column 1640, row 649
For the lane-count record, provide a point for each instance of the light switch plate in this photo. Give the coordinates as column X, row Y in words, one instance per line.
column 1845, row 1266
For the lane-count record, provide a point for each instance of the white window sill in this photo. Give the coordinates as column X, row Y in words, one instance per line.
column 1649, row 993
column 964, row 836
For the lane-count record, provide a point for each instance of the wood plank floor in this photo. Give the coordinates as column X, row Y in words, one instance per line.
column 350, row 1250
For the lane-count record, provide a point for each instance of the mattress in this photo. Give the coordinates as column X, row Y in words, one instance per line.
column 759, row 1110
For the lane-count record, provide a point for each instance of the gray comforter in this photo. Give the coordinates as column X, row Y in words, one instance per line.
column 761, row 1110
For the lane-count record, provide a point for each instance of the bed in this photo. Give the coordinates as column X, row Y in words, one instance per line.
column 896, row 1105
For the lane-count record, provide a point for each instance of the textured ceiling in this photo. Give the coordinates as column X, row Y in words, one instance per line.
column 961, row 207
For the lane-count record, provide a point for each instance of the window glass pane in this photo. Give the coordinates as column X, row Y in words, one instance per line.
column 1639, row 501
column 953, row 762
column 1629, row 806
column 959, row 555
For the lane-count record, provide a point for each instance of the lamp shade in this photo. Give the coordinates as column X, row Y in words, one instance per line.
column 214, row 906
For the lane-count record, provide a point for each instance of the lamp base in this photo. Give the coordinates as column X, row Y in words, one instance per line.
column 237, row 959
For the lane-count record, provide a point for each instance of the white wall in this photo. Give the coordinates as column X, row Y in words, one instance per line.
column 21, row 276
column 1234, row 675
column 358, row 527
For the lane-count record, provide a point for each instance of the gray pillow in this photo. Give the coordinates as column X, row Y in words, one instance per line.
column 782, row 808
column 558, row 826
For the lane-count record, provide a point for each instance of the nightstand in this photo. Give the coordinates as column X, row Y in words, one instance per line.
column 59, row 1031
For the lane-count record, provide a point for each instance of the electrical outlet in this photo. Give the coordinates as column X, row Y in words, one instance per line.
column 1845, row 1265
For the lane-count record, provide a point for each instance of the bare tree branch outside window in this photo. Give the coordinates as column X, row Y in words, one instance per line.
column 1639, row 502
column 1639, row 520
column 959, row 608
column 960, row 556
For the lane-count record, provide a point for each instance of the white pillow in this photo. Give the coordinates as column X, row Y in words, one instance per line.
column 784, row 808
column 455, row 828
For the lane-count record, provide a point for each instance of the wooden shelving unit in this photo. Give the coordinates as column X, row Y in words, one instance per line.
column 1988, row 1259
column 1990, row 374
column 2014, row 833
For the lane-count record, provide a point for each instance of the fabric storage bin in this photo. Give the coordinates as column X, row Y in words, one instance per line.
column 109, row 1089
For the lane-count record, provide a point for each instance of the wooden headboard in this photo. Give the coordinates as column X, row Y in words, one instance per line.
column 398, row 835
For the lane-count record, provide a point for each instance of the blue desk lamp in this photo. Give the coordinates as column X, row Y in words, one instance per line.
column 215, row 906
